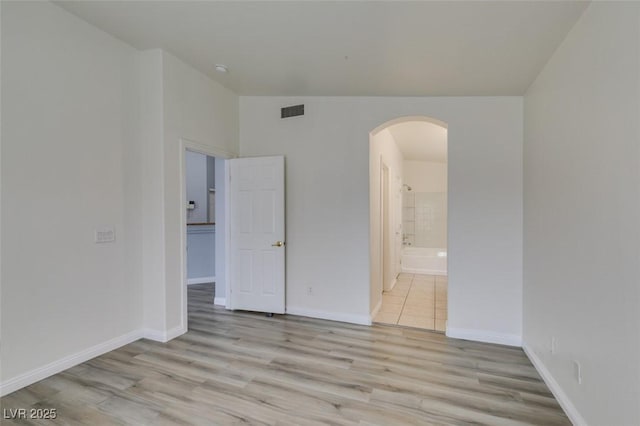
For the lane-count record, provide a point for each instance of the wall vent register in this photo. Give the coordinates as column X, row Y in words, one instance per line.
column 292, row 111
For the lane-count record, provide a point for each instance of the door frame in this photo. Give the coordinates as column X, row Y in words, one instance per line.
column 384, row 220
column 193, row 146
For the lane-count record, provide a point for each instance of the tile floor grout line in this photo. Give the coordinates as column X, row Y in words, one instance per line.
column 405, row 299
column 412, row 283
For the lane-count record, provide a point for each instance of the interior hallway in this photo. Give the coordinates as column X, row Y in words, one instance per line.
column 416, row 301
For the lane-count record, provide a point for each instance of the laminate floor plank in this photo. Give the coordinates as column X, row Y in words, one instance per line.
column 243, row 368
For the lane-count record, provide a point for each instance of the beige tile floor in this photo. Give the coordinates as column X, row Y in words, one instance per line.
column 416, row 301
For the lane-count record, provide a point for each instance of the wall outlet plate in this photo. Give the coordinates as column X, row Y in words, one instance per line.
column 105, row 235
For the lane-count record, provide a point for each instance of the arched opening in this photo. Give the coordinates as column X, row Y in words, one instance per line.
column 408, row 222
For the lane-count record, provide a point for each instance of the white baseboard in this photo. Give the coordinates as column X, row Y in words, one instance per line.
column 62, row 364
column 220, row 301
column 202, row 280
column 570, row 410
column 333, row 316
column 175, row 332
column 163, row 336
column 376, row 309
column 393, row 284
column 67, row 362
column 484, row 336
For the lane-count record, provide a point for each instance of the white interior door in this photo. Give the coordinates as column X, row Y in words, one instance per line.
column 256, row 240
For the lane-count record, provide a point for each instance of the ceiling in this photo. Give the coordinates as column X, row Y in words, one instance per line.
column 420, row 141
column 349, row 48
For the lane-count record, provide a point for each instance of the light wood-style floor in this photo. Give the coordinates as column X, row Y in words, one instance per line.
column 416, row 300
column 244, row 368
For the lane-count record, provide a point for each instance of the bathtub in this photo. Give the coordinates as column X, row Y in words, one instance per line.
column 419, row 260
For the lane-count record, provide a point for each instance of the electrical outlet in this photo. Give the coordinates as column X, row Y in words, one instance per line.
column 310, row 290
column 577, row 369
column 105, row 235
column 553, row 347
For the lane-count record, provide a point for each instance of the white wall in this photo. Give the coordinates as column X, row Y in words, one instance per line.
column 428, row 182
column 202, row 111
column 1, row 275
column 425, row 176
column 582, row 204
column 151, row 133
column 197, row 186
column 69, row 161
column 182, row 104
column 327, row 181
column 383, row 148
column 91, row 138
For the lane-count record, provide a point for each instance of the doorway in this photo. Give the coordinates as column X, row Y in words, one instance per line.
column 248, row 209
column 409, row 280
column 201, row 230
column 203, row 224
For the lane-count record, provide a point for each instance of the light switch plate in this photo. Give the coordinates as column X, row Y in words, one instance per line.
column 105, row 235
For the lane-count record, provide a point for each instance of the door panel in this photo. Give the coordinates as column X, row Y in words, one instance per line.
column 256, row 207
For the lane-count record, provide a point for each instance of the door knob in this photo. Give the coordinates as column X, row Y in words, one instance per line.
column 278, row 244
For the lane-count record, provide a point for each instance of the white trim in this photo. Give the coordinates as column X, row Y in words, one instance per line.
column 175, row 332
column 484, row 336
column 200, row 229
column 404, row 119
column 333, row 316
column 570, row 410
column 163, row 336
column 381, row 216
column 211, row 151
column 155, row 335
column 378, row 306
column 202, row 280
column 69, row 361
column 182, row 165
column 222, row 301
column 227, row 236
column 393, row 284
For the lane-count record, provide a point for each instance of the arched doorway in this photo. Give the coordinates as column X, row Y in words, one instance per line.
column 408, row 222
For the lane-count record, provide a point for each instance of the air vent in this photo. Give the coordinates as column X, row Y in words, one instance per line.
column 292, row 111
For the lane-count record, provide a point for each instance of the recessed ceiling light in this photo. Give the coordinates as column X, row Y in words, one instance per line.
column 221, row 68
